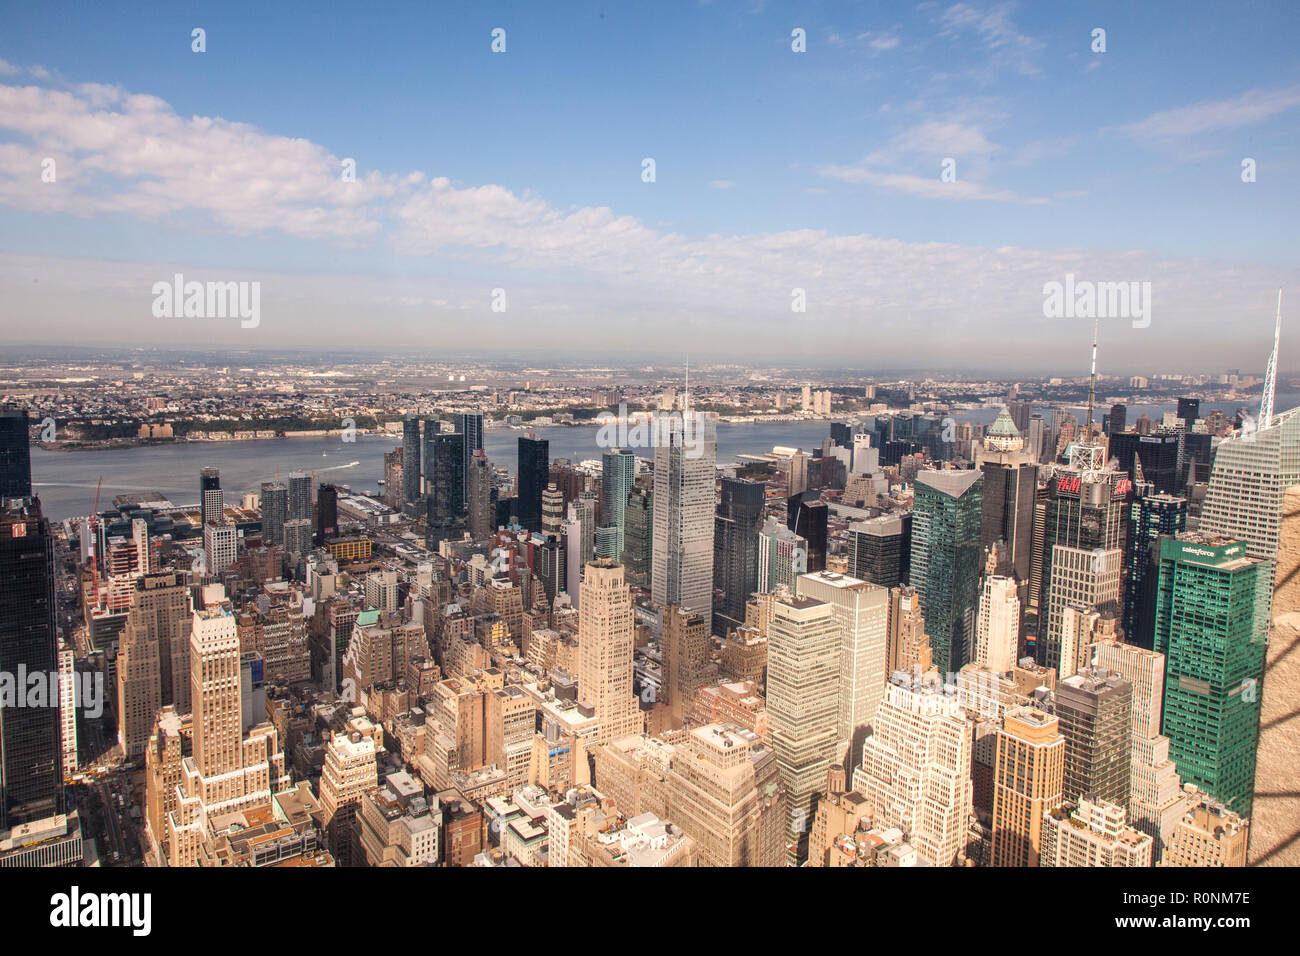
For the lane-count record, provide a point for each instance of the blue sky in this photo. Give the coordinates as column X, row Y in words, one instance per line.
column 774, row 170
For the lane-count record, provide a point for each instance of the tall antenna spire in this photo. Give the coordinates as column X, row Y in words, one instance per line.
column 1270, row 376
column 1092, row 383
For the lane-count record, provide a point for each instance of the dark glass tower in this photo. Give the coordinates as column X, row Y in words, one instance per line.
column 327, row 513
column 444, row 477
column 534, row 474
column 1160, row 456
column 411, row 484
column 1151, row 515
column 275, row 509
column 946, row 560
column 808, row 517
column 881, row 550
column 470, row 424
column 31, row 777
column 15, row 453
column 735, row 547
column 212, row 501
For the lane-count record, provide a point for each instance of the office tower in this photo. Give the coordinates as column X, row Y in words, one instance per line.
column 411, row 476
column 212, row 504
column 1081, row 579
column 15, row 453
column 862, row 612
column 1189, row 410
column 299, row 496
column 68, row 707
column 618, row 474
column 1020, row 412
column 393, row 479
column 533, row 477
column 444, row 483
column 802, row 707
column 1155, row 791
column 946, row 560
column 782, row 556
column 220, row 546
column 327, row 513
column 684, row 648
column 606, row 637
column 584, row 511
column 735, row 547
column 1211, row 623
column 350, row 772
column 153, row 666
column 842, row 433
column 552, row 509
column 1249, row 476
column 681, row 570
column 470, row 425
column 1085, row 510
column 808, row 517
column 724, row 792
column 1152, row 515
column 1118, row 417
column 31, row 752
column 275, row 509
column 1159, row 456
column 1093, row 833
column 1208, row 835
column 1028, row 779
column 997, row 631
column 916, row 768
column 1037, row 437
column 907, row 646
column 478, row 484
column 1093, row 708
column 881, row 549
column 571, row 534
column 297, row 536
column 1010, row 490
column 229, row 770
column 638, row 536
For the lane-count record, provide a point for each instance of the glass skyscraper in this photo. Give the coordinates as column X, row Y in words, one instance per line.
column 946, row 560
column 1211, row 623
column 618, row 473
column 534, row 475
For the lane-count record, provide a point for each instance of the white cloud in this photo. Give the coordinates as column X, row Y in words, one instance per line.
column 1209, row 116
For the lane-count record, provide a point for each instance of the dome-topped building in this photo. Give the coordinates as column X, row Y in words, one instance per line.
column 1003, row 434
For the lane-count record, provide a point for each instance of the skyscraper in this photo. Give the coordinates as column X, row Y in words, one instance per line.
column 1028, row 779
column 684, row 648
column 212, row 502
column 300, row 496
column 916, row 767
column 605, row 644
column 1248, row 478
column 802, row 707
column 534, row 475
column 862, row 612
column 1094, row 709
column 782, row 556
column 1211, row 623
column 808, row 517
column 275, row 510
column 638, row 536
column 153, row 664
column 478, row 484
column 411, row 474
column 1082, row 580
column 444, row 485
column 15, row 453
column 618, row 473
column 327, row 512
column 997, row 630
column 735, row 546
column 31, row 758
column 684, row 477
column 881, row 549
column 469, row 424
column 946, row 560
column 1152, row 515
column 1010, row 487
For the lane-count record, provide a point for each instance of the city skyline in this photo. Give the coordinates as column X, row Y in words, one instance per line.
column 1064, row 166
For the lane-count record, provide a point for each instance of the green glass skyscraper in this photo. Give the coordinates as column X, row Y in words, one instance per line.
column 946, row 517
column 1211, row 623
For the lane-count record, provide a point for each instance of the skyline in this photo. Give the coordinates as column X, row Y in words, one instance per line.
column 775, row 171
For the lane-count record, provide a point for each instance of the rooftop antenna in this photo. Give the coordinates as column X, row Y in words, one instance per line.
column 1092, row 380
column 1270, row 376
